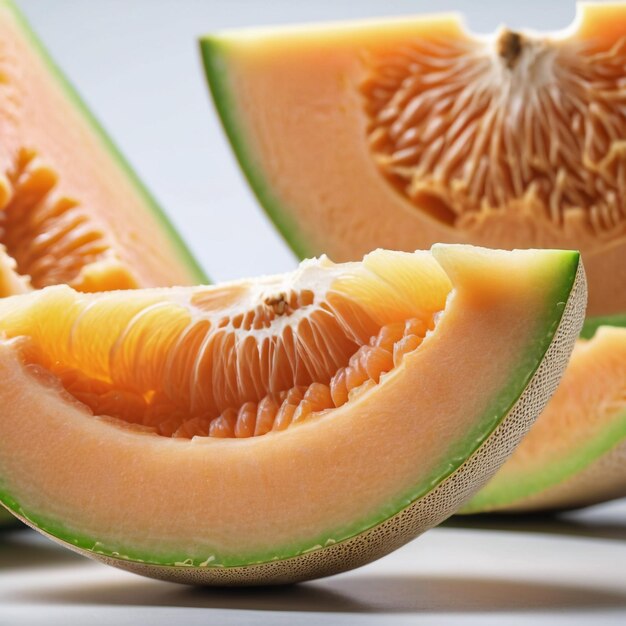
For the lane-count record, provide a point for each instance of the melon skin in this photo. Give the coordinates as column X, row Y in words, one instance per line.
column 71, row 208
column 574, row 455
column 292, row 104
column 534, row 302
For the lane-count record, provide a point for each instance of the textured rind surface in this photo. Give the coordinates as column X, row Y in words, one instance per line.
column 419, row 516
column 588, row 473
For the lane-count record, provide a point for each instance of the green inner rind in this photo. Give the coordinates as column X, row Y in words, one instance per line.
column 215, row 58
column 507, row 492
column 197, row 274
column 496, row 410
column 592, row 324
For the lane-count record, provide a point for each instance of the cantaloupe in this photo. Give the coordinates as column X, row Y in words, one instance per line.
column 71, row 210
column 575, row 454
column 403, row 132
column 283, row 428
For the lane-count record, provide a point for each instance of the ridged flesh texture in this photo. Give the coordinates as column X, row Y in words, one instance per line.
column 467, row 127
column 511, row 141
column 260, row 420
column 218, row 368
column 70, row 209
column 574, row 454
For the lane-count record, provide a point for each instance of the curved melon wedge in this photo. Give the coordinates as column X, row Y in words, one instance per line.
column 402, row 132
column 278, row 429
column 71, row 209
column 575, row 454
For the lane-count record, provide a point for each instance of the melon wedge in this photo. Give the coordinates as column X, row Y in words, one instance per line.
column 71, row 210
column 399, row 133
column 575, row 453
column 283, row 428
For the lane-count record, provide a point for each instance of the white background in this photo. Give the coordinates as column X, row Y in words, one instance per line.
column 137, row 65
column 567, row 572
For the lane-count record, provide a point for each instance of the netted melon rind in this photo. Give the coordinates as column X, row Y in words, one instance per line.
column 421, row 515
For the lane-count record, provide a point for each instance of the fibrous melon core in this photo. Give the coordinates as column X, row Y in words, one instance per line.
column 288, row 354
column 463, row 127
column 51, row 237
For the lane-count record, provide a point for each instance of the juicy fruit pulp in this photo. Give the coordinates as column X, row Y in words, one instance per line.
column 467, row 127
column 400, row 133
column 247, row 428
column 70, row 209
column 286, row 358
column 574, row 454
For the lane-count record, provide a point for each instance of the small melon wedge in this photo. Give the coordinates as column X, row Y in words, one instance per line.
column 398, row 133
column 283, row 428
column 71, row 210
column 575, row 453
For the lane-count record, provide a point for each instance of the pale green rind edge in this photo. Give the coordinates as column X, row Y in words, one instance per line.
column 507, row 493
column 197, row 274
column 499, row 494
column 497, row 409
column 215, row 59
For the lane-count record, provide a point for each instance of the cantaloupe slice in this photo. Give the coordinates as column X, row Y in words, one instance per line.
column 71, row 210
column 575, row 454
column 403, row 132
column 283, row 428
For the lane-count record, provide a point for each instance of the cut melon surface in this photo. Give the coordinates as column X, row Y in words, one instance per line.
column 71, row 209
column 402, row 132
column 575, row 453
column 283, row 428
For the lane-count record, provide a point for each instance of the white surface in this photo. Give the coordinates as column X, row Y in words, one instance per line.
column 570, row 571
column 136, row 63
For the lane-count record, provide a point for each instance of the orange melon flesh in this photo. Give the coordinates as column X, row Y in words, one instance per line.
column 71, row 210
column 133, row 485
column 402, row 132
column 574, row 454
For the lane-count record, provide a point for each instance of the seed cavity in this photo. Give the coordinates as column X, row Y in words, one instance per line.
column 518, row 126
column 278, row 304
column 52, row 238
column 208, row 381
